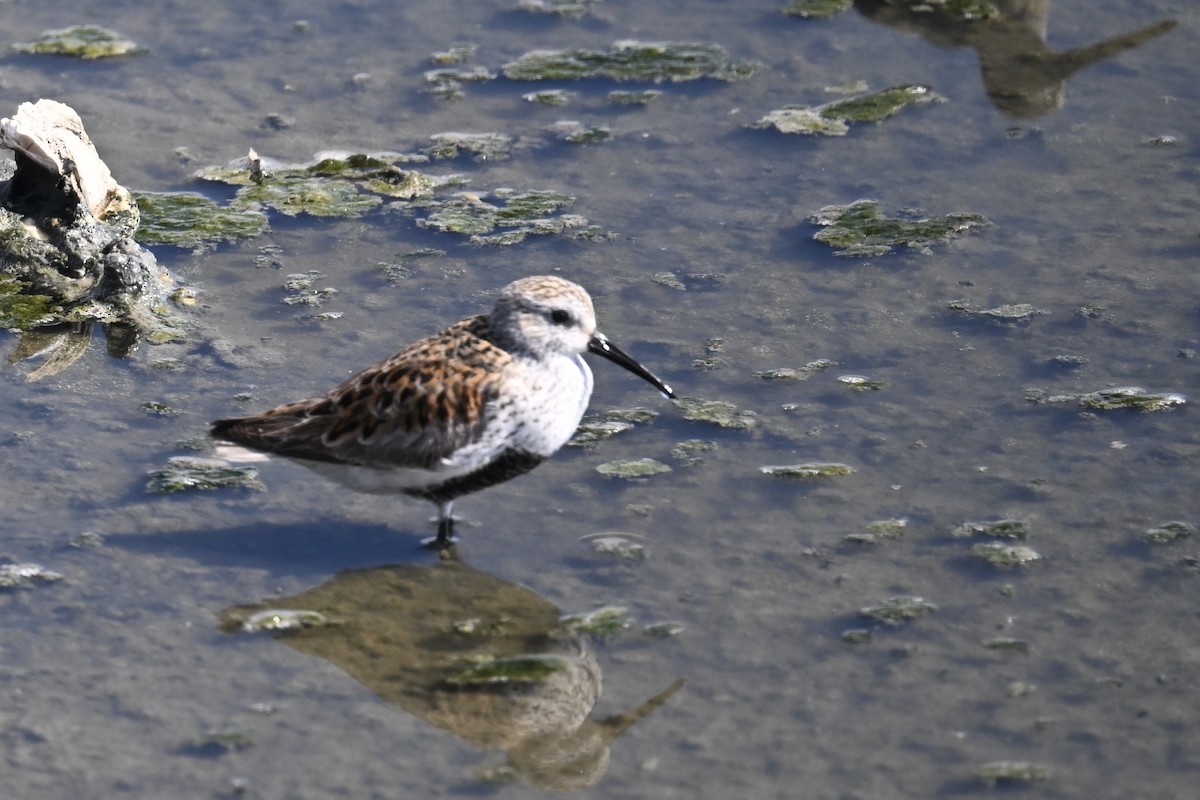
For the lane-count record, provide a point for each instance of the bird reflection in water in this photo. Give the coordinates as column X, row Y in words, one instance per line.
column 1024, row 78
column 417, row 635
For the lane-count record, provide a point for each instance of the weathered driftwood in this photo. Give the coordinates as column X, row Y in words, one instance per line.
column 67, row 252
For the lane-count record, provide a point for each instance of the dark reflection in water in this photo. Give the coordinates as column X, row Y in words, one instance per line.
column 416, row 636
column 59, row 346
column 1023, row 77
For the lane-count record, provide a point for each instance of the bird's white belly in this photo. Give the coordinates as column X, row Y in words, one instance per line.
column 358, row 478
column 380, row 480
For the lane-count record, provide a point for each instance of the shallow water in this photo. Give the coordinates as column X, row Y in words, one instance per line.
column 115, row 675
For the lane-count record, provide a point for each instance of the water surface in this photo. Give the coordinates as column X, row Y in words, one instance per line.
column 115, row 676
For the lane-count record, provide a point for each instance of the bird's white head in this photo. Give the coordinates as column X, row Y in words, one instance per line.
column 544, row 315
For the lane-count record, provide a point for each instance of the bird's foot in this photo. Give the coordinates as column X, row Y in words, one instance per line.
column 438, row 543
column 445, row 538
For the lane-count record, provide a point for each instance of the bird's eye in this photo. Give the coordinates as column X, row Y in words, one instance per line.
column 560, row 317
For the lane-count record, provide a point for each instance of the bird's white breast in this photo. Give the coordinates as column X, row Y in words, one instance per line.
column 542, row 402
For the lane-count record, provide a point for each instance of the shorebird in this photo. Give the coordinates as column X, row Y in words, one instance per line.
column 482, row 402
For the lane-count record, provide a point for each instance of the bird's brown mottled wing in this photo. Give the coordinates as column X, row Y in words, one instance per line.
column 409, row 411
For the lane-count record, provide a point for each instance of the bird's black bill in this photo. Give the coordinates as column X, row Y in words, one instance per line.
column 601, row 346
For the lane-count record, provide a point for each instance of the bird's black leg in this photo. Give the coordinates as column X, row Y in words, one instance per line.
column 445, row 534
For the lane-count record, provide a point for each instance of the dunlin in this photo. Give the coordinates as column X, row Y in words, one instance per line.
column 481, row 402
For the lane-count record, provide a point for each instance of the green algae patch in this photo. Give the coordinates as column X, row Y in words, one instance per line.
column 860, row 229
column 302, row 290
column 24, row 576
column 1169, row 532
column 400, row 267
column 690, row 451
column 1131, row 397
column 595, row 428
column 801, row 119
column 463, row 214
column 165, row 335
column 276, row 620
column 898, row 610
column 479, row 146
column 632, row 61
column 1124, row 398
column 816, row 9
column 501, row 239
column 879, row 531
column 625, row 546
column 603, row 621
column 86, row 539
column 1006, row 555
column 350, row 166
column 349, row 185
column 832, row 119
column 518, row 214
column 454, row 54
column 716, row 412
column 1011, row 772
column 402, row 184
column 1007, row 644
column 167, row 365
column 632, row 468
column 796, row 373
column 186, row 472
column 571, row 9
column 1006, row 312
column 516, row 670
column 302, row 281
column 625, row 97
column 575, row 132
column 669, row 280
column 711, row 359
column 157, row 409
column 878, row 106
column 316, row 197
column 664, row 630
column 806, row 471
column 184, row 219
column 82, row 41
column 861, row 383
column 333, row 184
column 22, row 310
column 888, row 528
column 446, row 83
column 998, row 529
column 522, row 207
column 549, row 97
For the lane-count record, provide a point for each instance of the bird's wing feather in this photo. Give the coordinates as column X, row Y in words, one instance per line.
column 411, row 410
